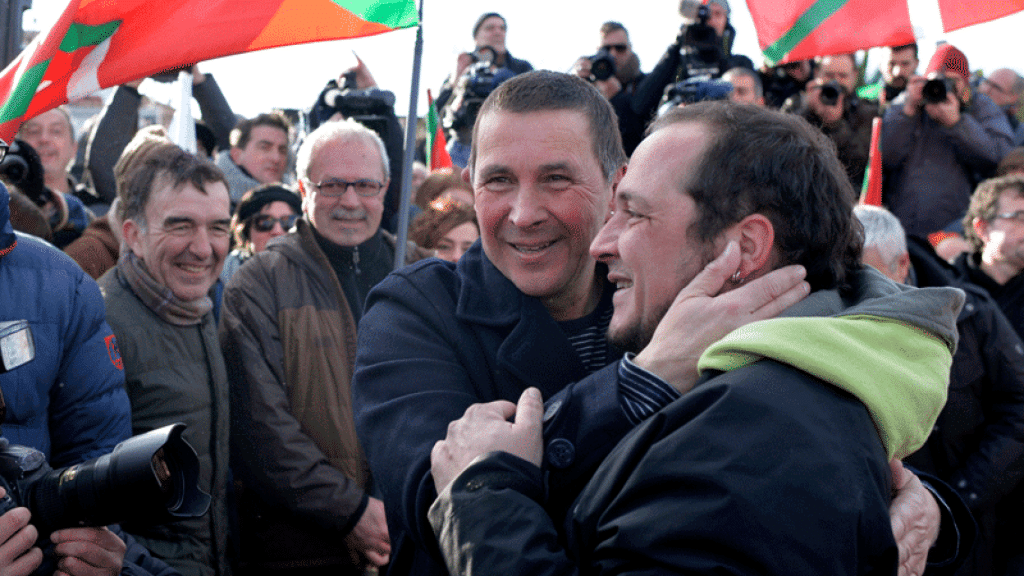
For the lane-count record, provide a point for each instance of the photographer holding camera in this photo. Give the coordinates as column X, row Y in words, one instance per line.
column 615, row 71
column 68, row 402
column 938, row 140
column 830, row 102
column 475, row 76
column 703, row 49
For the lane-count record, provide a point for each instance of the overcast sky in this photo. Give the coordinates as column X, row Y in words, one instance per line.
column 549, row 33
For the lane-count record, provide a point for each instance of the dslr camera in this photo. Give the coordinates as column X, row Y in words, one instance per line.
column 602, row 65
column 829, row 93
column 937, row 88
column 148, row 479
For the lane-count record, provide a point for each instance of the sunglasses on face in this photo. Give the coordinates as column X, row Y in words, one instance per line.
column 615, row 47
column 265, row 222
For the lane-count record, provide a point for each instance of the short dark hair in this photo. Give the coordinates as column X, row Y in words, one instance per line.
column 163, row 165
column 760, row 161
column 242, row 131
column 912, row 46
column 543, row 90
column 613, row 26
column 985, row 204
column 746, row 73
column 441, row 216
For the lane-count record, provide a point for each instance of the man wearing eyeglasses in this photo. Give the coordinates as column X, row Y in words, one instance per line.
column 289, row 335
column 619, row 87
column 994, row 226
column 1006, row 88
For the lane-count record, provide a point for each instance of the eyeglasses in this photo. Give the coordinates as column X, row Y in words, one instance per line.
column 1017, row 215
column 616, row 47
column 335, row 187
column 265, row 222
column 998, row 88
column 3, row 150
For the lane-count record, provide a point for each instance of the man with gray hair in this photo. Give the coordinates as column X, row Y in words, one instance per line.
column 289, row 335
column 980, row 432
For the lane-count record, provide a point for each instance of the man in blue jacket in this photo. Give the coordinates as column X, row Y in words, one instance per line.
column 68, row 402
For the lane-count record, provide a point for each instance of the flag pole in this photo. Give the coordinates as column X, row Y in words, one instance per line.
column 410, row 148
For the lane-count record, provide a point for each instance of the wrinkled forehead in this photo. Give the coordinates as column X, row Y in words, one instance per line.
column 55, row 118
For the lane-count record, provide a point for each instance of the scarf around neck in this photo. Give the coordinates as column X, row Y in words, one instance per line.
column 158, row 297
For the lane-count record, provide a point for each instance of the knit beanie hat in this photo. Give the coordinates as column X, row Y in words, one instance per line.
column 480, row 21
column 949, row 59
column 724, row 4
column 258, row 197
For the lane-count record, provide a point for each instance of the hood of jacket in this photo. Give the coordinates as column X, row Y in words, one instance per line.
column 887, row 344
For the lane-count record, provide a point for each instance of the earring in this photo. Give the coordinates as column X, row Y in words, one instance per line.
column 736, row 279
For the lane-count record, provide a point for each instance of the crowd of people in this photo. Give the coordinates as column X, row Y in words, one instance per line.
column 642, row 324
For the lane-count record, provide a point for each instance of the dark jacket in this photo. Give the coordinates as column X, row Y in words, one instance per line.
column 176, row 374
column 437, row 337
column 851, row 134
column 1009, row 296
column 764, row 469
column 931, row 169
column 977, row 445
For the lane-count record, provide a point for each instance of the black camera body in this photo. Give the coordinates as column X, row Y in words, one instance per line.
column 475, row 86
column 602, row 65
column 370, row 107
column 148, row 479
column 703, row 51
column 829, row 93
column 937, row 88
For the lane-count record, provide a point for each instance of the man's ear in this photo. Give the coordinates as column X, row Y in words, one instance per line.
column 755, row 236
column 236, row 154
column 131, row 232
column 981, row 228
column 618, row 177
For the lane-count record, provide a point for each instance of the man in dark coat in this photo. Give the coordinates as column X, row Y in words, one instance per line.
column 774, row 461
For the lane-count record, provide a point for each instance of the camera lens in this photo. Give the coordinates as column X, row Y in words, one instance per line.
column 935, row 90
column 829, row 94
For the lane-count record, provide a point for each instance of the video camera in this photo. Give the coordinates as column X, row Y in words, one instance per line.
column 368, row 106
column 148, row 479
column 937, row 88
column 475, row 85
column 602, row 65
column 694, row 90
column 702, row 49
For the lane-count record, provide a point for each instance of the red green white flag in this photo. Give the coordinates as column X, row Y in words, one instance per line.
column 871, row 191
column 100, row 43
column 437, row 152
column 801, row 29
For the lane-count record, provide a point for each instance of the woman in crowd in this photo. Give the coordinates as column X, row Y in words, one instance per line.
column 265, row 212
column 447, row 226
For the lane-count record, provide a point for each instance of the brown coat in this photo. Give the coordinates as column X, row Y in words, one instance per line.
column 96, row 250
column 289, row 339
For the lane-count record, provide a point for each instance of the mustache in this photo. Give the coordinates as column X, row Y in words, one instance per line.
column 346, row 214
